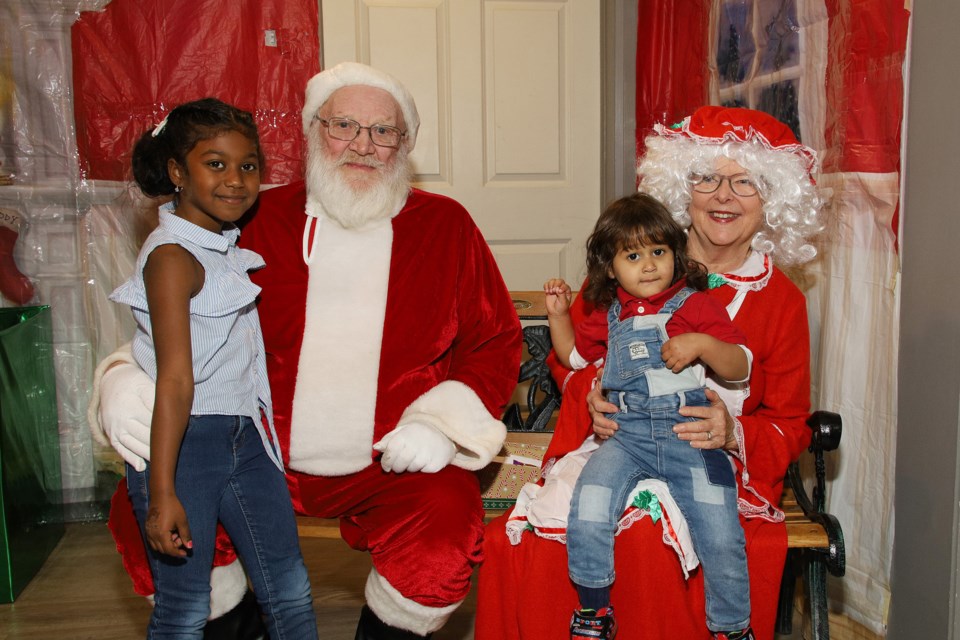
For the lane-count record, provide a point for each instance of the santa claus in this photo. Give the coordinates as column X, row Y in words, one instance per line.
column 392, row 346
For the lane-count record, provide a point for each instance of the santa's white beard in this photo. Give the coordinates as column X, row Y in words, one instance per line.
column 353, row 205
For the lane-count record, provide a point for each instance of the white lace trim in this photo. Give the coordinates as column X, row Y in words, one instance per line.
column 756, row 264
column 746, row 134
column 765, row 510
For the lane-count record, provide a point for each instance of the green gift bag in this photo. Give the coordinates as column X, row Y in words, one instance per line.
column 31, row 503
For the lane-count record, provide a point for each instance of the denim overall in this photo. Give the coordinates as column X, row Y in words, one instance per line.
column 701, row 482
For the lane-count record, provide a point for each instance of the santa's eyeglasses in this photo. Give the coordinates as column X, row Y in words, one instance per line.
column 382, row 135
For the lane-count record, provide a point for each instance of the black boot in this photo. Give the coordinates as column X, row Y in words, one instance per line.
column 243, row 622
column 371, row 627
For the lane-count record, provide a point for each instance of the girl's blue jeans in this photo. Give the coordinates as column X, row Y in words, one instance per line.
column 224, row 473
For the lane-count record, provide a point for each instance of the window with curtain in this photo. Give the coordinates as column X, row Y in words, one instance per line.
column 758, row 57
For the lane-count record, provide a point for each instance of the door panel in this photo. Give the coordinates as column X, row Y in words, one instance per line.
column 509, row 100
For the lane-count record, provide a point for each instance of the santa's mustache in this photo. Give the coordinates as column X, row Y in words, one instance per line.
column 352, row 157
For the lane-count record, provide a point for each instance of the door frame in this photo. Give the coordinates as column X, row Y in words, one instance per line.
column 618, row 82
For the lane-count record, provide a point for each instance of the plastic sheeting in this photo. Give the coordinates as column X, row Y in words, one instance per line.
column 845, row 99
column 43, row 202
column 31, row 508
column 137, row 59
column 856, row 300
column 80, row 80
column 854, row 314
column 864, row 85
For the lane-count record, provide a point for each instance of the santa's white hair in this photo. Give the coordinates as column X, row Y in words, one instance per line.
column 791, row 200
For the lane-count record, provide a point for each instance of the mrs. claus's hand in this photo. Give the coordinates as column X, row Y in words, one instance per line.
column 714, row 428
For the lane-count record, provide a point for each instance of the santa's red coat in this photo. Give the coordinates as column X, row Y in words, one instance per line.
column 524, row 590
column 449, row 317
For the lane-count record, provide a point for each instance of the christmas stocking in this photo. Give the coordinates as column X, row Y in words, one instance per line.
column 14, row 286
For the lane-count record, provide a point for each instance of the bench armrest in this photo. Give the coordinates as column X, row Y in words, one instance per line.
column 827, row 428
column 543, row 396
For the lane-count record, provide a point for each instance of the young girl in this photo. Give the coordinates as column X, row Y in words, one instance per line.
column 649, row 325
column 198, row 336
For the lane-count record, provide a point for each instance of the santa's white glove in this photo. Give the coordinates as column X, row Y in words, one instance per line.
column 126, row 409
column 415, row 447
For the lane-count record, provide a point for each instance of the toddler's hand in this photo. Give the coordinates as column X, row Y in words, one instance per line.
column 680, row 351
column 558, row 296
column 167, row 529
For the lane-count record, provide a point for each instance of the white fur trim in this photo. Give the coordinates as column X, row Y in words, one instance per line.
column 228, row 584
column 123, row 354
column 457, row 412
column 403, row 613
column 347, row 74
column 331, row 430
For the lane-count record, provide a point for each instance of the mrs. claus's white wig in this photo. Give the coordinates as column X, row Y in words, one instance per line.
column 783, row 168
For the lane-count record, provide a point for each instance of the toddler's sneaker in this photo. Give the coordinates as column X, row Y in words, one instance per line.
column 743, row 634
column 587, row 623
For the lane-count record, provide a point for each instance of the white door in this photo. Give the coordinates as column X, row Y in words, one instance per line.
column 509, row 101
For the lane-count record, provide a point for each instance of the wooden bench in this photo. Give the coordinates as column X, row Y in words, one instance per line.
column 814, row 537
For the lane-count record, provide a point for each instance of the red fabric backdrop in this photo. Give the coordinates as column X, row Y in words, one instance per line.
column 864, row 83
column 138, row 59
column 864, row 87
column 672, row 74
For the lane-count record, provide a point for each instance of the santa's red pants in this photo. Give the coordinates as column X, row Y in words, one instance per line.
column 424, row 531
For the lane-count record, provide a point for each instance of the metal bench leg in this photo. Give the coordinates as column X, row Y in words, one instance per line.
column 815, row 576
column 788, row 585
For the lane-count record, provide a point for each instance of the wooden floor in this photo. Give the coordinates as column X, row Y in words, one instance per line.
column 82, row 593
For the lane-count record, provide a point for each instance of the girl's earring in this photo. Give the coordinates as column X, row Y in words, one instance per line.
column 178, row 189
